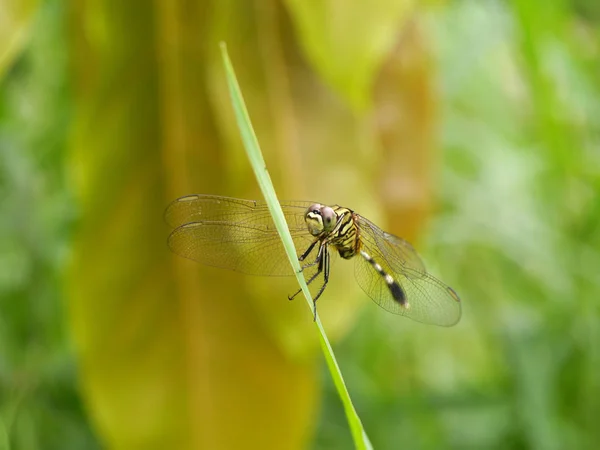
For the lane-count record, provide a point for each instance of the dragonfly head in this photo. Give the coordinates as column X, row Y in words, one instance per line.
column 319, row 219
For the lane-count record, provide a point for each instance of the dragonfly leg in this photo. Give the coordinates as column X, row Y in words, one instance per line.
column 308, row 250
column 322, row 288
column 314, row 263
column 318, row 260
column 310, row 280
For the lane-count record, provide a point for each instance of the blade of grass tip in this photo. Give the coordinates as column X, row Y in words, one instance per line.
column 361, row 440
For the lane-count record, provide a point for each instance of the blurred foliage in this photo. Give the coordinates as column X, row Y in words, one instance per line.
column 15, row 18
column 517, row 229
column 40, row 407
column 169, row 354
column 323, row 29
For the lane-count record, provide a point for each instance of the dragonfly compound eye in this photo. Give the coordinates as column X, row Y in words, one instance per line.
column 328, row 218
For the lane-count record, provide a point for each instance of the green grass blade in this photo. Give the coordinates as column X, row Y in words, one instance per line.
column 361, row 441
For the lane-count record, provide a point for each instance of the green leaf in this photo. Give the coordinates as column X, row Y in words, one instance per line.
column 15, row 17
column 361, row 440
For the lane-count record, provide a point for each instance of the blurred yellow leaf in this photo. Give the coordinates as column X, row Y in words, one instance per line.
column 172, row 355
column 404, row 119
column 346, row 42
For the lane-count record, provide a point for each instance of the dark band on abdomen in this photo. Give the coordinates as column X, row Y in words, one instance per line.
column 393, row 286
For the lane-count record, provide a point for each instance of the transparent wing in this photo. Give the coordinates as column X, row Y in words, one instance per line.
column 428, row 299
column 196, row 208
column 399, row 254
column 235, row 234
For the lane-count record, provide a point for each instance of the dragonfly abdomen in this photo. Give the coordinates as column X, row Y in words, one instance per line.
column 393, row 286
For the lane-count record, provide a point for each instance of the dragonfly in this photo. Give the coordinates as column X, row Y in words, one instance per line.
column 240, row 235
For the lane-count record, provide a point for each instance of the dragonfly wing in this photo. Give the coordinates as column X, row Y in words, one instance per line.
column 425, row 298
column 235, row 234
column 235, row 247
column 399, row 254
column 204, row 208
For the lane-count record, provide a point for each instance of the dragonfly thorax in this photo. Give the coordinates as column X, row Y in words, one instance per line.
column 335, row 227
column 345, row 236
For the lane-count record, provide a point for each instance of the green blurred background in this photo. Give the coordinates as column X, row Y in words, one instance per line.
column 468, row 127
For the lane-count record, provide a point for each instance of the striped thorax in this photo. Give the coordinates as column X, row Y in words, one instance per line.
column 337, row 227
column 334, row 226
